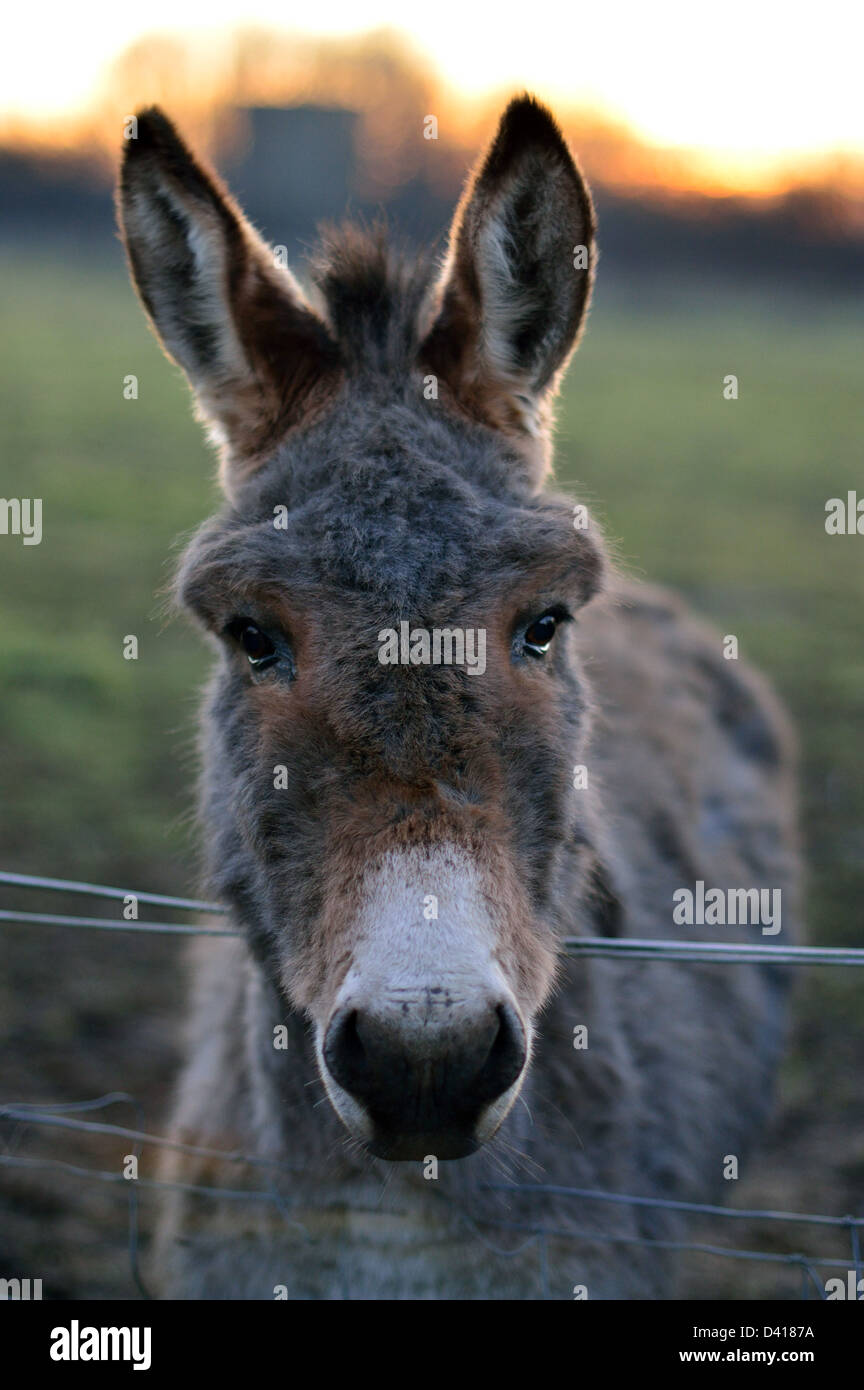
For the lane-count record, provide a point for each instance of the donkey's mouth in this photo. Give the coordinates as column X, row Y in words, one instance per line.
column 397, row 1140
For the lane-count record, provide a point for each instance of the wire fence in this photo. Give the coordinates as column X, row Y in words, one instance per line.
column 721, row 952
column 65, row 1116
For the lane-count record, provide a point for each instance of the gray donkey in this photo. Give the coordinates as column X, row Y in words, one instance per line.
column 441, row 737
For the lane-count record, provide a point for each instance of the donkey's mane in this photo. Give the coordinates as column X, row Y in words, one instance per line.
column 372, row 292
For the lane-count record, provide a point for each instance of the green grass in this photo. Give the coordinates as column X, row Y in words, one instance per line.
column 95, row 765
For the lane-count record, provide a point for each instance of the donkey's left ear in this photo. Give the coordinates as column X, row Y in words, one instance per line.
column 258, row 358
column 517, row 281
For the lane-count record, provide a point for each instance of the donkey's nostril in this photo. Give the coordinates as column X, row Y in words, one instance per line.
column 344, row 1052
column 506, row 1056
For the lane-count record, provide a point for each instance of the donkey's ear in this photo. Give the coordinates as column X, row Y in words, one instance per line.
column 258, row 359
column 518, row 276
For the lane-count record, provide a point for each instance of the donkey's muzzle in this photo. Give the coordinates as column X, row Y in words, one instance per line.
column 424, row 1074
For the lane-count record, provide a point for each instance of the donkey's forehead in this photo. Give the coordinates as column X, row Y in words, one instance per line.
column 379, row 442
column 368, row 534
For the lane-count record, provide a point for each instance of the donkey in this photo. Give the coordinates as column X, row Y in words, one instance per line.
column 396, row 1033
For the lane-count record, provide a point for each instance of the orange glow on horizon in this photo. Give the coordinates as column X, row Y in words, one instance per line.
column 202, row 78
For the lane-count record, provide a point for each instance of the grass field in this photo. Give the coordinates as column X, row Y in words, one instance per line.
column 724, row 500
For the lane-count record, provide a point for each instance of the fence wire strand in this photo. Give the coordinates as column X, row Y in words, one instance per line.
column 704, row 952
column 61, row 1116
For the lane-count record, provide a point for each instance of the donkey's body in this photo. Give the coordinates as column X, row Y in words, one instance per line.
column 342, row 795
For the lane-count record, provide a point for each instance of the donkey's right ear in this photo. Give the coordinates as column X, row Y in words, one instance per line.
column 259, row 360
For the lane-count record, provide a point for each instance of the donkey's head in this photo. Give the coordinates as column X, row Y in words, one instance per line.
column 397, row 709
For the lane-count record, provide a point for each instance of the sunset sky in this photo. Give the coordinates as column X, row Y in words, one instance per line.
column 751, row 85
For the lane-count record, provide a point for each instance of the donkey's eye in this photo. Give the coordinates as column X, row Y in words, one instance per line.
column 255, row 643
column 538, row 637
